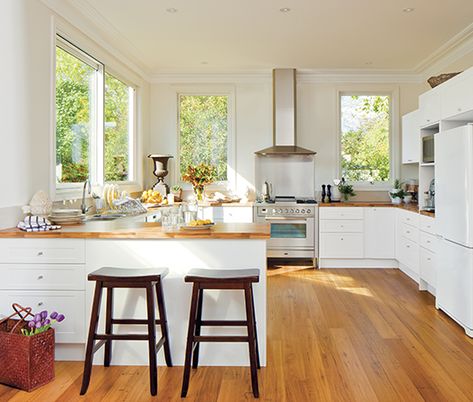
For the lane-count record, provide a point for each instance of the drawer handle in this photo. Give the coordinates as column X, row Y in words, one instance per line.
column 40, row 253
column 341, row 226
column 428, row 241
column 428, row 258
column 408, row 219
column 286, row 253
column 408, row 246
column 40, row 303
column 408, row 231
column 40, row 277
column 341, row 238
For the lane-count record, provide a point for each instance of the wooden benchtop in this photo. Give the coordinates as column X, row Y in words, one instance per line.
column 407, row 207
column 126, row 229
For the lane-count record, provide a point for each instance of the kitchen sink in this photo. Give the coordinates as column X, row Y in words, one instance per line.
column 105, row 217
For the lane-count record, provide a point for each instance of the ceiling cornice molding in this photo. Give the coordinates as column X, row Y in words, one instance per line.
column 455, row 48
column 97, row 28
column 82, row 15
column 303, row 76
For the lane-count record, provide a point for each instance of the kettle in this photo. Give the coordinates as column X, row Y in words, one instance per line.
column 267, row 191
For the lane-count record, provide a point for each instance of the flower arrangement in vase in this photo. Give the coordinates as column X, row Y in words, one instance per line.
column 199, row 176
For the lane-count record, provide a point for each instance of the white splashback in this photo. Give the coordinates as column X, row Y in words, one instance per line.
column 289, row 174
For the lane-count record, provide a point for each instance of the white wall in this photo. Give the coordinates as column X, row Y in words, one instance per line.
column 26, row 45
column 317, row 124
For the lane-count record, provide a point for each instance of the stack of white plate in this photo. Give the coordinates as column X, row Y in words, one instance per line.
column 66, row 216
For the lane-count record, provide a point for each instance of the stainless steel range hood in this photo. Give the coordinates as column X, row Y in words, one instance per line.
column 284, row 115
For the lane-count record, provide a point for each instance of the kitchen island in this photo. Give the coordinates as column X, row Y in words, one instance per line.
column 48, row 270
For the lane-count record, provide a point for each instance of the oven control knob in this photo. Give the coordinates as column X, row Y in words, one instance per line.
column 279, row 211
column 297, row 211
column 308, row 211
column 273, row 211
column 302, row 211
column 292, row 210
column 286, row 211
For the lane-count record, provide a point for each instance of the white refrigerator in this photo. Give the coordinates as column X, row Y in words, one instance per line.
column 454, row 222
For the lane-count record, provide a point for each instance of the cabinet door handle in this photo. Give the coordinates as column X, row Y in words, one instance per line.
column 40, row 253
column 341, row 238
column 40, row 277
column 459, row 109
column 408, row 231
column 428, row 259
column 408, row 246
column 428, row 241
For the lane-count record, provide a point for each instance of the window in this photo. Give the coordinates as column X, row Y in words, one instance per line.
column 365, row 138
column 203, row 132
column 94, row 121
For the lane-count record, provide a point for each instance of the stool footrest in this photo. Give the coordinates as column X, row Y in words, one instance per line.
column 223, row 323
column 122, row 337
column 132, row 321
column 227, row 338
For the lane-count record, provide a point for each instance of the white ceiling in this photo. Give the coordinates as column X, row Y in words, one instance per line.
column 254, row 34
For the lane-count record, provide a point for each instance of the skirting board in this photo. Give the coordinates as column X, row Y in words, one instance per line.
column 357, row 263
column 411, row 274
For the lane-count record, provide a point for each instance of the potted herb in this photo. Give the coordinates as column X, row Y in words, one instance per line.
column 199, row 176
column 397, row 193
column 176, row 190
column 346, row 190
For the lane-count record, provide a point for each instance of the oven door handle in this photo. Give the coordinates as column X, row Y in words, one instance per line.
column 282, row 218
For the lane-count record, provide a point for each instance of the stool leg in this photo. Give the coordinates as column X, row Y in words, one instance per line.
column 251, row 339
column 94, row 321
column 108, row 328
column 153, row 368
column 164, row 323
column 198, row 326
column 190, row 341
column 256, row 328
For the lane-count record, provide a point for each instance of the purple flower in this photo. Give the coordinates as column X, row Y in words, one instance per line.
column 37, row 317
column 47, row 322
column 31, row 324
column 38, row 324
column 53, row 315
column 44, row 314
column 60, row 317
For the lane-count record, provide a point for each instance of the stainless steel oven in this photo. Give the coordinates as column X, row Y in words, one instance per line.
column 293, row 230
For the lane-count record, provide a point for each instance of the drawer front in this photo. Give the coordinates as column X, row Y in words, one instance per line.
column 42, row 277
column 71, row 304
column 289, row 254
column 410, row 232
column 427, row 224
column 238, row 214
column 428, row 241
column 427, row 267
column 341, row 226
column 42, row 251
column 347, row 245
column 408, row 254
column 341, row 213
column 409, row 218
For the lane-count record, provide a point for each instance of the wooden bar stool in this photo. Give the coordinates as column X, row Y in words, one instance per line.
column 110, row 278
column 221, row 279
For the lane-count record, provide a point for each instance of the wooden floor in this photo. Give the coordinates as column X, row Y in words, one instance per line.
column 334, row 335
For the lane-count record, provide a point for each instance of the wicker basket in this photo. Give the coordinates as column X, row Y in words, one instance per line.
column 27, row 362
column 439, row 79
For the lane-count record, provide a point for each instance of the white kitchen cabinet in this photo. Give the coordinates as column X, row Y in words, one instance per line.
column 427, row 266
column 235, row 214
column 69, row 303
column 427, row 224
column 430, row 107
column 411, row 137
column 341, row 213
column 341, row 226
column 457, row 95
column 407, row 242
column 341, row 245
column 380, row 224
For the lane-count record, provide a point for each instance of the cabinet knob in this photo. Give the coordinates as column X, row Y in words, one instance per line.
column 428, row 241
column 459, row 109
column 40, row 303
column 40, row 253
column 286, row 253
column 40, row 277
column 408, row 246
column 428, row 259
column 408, row 231
column 341, row 238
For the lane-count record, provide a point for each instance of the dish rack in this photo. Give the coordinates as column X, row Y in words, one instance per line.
column 129, row 206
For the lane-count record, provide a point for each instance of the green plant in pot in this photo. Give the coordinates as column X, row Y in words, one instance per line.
column 199, row 176
column 397, row 193
column 346, row 190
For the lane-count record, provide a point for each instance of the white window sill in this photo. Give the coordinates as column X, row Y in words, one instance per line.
column 372, row 187
column 74, row 191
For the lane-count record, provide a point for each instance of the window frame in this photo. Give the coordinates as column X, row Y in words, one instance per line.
column 231, row 158
column 64, row 191
column 394, row 170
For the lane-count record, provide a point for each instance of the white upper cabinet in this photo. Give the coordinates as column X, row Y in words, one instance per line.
column 380, row 224
column 430, row 104
column 411, row 137
column 457, row 96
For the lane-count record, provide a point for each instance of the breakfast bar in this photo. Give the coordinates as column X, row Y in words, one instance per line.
column 49, row 270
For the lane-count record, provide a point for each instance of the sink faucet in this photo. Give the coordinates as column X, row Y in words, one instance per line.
column 87, row 187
